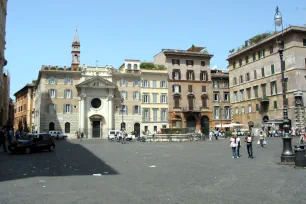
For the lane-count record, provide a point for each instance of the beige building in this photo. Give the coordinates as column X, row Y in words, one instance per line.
column 189, row 85
column 154, row 98
column 255, row 80
column 3, row 62
column 128, row 111
column 220, row 99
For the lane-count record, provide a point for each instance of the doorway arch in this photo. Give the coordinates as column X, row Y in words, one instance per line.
column 51, row 126
column 67, row 127
column 137, row 129
column 191, row 123
column 205, row 125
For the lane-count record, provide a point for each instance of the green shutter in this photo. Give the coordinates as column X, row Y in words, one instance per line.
column 272, row 69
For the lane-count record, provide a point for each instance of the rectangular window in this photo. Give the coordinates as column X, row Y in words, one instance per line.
column 248, row 90
column 68, row 80
column 203, row 76
column 275, row 105
column 124, row 109
column 163, row 84
column 236, row 96
column 154, row 114
column 241, row 79
column 52, row 80
column 123, row 82
column 68, row 93
column 176, row 102
column 204, row 101
column 257, row 107
column 255, row 74
column 52, row 93
column 123, row 95
column 175, row 62
column 273, row 88
column 255, row 88
column 262, row 53
column 225, row 84
column 136, row 95
column 136, row 83
column 263, row 72
column 189, row 62
column 227, row 113
column 216, row 84
column 250, row 108
column 242, row 110
column 146, row 98
column 145, row 83
column 146, row 115
column 241, row 95
column 67, row 108
column 136, row 109
column 190, row 88
column 154, row 97
column 190, row 75
column 272, row 69
column 164, row 115
column 304, row 42
column 164, row 98
column 203, row 89
column 217, row 112
column 202, row 63
column 176, row 89
column 226, row 96
column 247, row 77
column 176, row 75
column 247, row 59
column 154, row 84
column 216, row 97
column 264, row 91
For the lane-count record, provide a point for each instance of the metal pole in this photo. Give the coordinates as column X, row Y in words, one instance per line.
column 287, row 154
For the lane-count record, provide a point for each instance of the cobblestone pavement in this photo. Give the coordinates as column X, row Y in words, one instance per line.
column 187, row 172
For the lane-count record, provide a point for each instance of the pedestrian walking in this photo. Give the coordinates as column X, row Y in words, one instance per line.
column 10, row 135
column 2, row 140
column 233, row 145
column 82, row 135
column 249, row 140
column 216, row 133
column 210, row 135
column 261, row 139
column 238, row 146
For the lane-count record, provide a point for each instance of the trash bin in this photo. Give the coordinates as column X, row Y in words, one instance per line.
column 300, row 160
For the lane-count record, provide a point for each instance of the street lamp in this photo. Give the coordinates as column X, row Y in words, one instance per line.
column 287, row 154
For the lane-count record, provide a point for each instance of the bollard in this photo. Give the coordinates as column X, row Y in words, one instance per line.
column 300, row 161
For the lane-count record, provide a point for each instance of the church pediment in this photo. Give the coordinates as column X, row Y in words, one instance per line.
column 96, row 82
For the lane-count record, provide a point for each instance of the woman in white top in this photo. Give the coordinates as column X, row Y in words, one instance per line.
column 234, row 145
column 261, row 139
column 210, row 135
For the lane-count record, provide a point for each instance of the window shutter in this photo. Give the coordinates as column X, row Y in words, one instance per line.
column 143, row 98
column 193, row 78
column 179, row 73
column 180, row 88
column 187, row 75
column 201, row 76
column 173, row 74
column 173, row 88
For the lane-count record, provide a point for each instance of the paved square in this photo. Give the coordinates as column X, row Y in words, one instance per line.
column 196, row 172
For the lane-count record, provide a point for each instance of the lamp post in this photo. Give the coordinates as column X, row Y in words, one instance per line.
column 287, row 155
column 122, row 110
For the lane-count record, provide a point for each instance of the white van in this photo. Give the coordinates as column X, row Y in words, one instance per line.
column 57, row 135
column 112, row 134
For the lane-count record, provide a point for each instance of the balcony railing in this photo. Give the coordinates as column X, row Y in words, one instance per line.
column 192, row 108
column 264, row 99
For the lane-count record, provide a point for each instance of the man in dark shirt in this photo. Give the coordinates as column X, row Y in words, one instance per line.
column 2, row 140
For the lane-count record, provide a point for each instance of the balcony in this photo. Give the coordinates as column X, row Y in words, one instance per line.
column 264, row 100
column 191, row 109
column 132, row 71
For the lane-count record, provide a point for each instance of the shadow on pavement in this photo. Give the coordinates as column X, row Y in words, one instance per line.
column 68, row 159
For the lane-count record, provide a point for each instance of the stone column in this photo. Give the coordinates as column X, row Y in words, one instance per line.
column 110, row 113
column 82, row 113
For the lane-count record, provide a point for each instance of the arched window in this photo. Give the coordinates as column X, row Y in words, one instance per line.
column 51, row 126
column 135, row 66
column 75, row 59
column 67, row 127
column 129, row 66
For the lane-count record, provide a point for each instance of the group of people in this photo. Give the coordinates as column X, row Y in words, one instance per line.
column 216, row 134
column 7, row 134
column 235, row 144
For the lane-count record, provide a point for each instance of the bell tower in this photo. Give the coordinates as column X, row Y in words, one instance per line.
column 75, row 53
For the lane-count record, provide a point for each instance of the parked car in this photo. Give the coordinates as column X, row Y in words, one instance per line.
column 57, row 135
column 33, row 142
column 112, row 134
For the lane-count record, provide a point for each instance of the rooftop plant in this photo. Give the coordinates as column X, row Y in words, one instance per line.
column 149, row 65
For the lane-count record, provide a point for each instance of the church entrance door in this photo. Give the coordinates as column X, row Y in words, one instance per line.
column 96, row 129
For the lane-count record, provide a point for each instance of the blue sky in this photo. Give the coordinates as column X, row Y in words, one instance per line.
column 40, row 32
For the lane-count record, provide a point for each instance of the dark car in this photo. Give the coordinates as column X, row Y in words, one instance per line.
column 33, row 143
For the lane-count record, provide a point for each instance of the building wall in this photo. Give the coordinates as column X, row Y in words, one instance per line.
column 197, row 84
column 3, row 13
column 295, row 72
column 150, row 76
column 59, row 118
column 6, row 98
